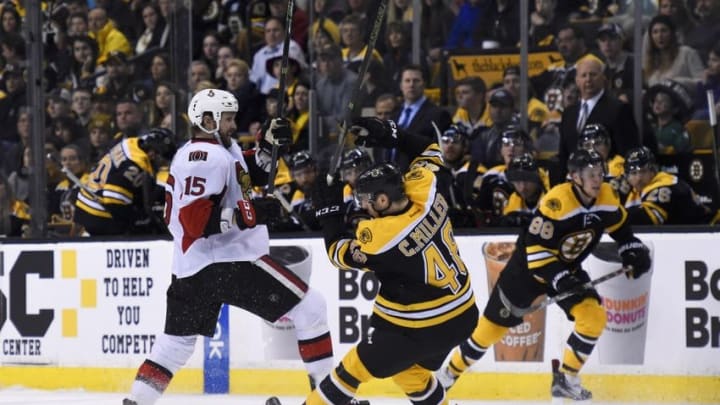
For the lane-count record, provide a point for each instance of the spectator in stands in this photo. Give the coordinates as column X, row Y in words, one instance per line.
column 359, row 8
column 300, row 116
column 352, row 35
column 250, row 101
column 70, row 132
column 710, row 81
column 77, row 24
column 300, row 20
column 499, row 25
column 461, row 34
column 332, row 10
column 677, row 11
column 164, row 102
column 14, row 147
column 296, row 67
column 118, row 79
column 665, row 58
column 437, row 21
column 334, row 87
column 706, row 31
column 537, row 111
column 570, row 42
column 83, row 64
column 418, row 112
column 159, row 70
column 125, row 18
column 108, row 37
column 274, row 36
column 472, row 111
column 669, row 105
column 9, row 21
column 209, row 53
column 14, row 213
column 13, row 48
column 155, row 32
column 658, row 197
column 15, row 98
column 596, row 106
column 386, row 106
column 199, row 71
column 397, row 50
column 224, row 54
column 619, row 64
column 81, row 105
column 19, row 179
column 100, row 137
column 128, row 119
column 544, row 23
column 485, row 147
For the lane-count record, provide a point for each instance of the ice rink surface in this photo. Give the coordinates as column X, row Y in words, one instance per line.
column 21, row 396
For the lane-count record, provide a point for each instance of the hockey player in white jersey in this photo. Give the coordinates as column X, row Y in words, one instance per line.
column 220, row 249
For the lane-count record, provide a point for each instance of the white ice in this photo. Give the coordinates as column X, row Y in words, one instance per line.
column 22, row 396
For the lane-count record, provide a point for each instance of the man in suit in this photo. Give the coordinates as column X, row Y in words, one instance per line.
column 417, row 113
column 596, row 106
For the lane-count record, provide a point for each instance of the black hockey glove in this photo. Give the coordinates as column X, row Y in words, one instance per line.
column 636, row 255
column 372, row 131
column 267, row 209
column 277, row 130
column 566, row 281
column 328, row 200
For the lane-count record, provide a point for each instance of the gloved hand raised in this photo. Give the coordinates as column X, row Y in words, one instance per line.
column 276, row 131
column 327, row 199
column 636, row 255
column 372, row 131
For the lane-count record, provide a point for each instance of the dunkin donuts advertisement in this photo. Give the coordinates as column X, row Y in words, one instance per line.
column 525, row 342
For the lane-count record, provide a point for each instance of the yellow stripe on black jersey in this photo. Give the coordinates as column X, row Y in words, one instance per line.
column 666, row 200
column 414, row 255
column 564, row 231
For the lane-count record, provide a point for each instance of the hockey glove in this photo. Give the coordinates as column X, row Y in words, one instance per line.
column 566, row 281
column 267, row 209
column 327, row 199
column 372, row 131
column 276, row 131
column 636, row 255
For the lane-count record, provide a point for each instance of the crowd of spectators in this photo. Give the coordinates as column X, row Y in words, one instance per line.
column 107, row 73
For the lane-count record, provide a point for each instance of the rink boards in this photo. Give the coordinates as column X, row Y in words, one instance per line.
column 85, row 314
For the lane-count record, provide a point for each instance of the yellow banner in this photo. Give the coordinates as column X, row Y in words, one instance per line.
column 490, row 66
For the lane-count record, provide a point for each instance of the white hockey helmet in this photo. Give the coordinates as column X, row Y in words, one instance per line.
column 214, row 101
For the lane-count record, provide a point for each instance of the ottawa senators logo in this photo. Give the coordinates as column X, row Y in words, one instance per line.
column 364, row 235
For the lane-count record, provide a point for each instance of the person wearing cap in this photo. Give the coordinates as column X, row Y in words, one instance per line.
column 274, row 37
column 334, row 86
column 108, row 37
column 485, row 148
column 537, row 111
column 99, row 135
column 491, row 195
column 669, row 104
column 296, row 65
column 117, row 80
column 619, row 64
column 596, row 106
column 529, row 183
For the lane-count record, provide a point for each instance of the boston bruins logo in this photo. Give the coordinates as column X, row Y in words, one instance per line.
column 554, row 204
column 365, row 236
column 574, row 245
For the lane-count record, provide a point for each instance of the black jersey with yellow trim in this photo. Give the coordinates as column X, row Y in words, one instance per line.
column 423, row 280
column 114, row 189
column 564, row 231
column 666, row 200
column 493, row 194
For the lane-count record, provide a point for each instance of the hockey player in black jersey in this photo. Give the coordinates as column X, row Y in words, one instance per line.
column 529, row 184
column 425, row 305
column 568, row 224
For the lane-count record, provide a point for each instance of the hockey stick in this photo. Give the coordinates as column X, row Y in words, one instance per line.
column 288, row 208
column 349, row 113
column 72, row 177
column 282, row 85
column 713, row 124
column 520, row 312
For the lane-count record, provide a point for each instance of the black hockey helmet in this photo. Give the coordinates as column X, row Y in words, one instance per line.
column 639, row 158
column 522, row 168
column 593, row 134
column 382, row 178
column 356, row 158
column 301, row 160
column 582, row 158
column 514, row 135
column 455, row 133
column 160, row 140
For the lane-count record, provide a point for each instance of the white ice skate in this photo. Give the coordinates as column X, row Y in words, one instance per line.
column 567, row 386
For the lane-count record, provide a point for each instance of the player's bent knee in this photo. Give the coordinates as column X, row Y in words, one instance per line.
column 413, row 380
column 172, row 352
column 590, row 317
column 311, row 312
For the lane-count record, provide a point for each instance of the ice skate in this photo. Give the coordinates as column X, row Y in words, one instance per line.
column 273, row 401
column 445, row 378
column 358, row 402
column 567, row 386
column 129, row 402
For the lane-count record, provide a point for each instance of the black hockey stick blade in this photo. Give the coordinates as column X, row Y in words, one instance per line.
column 520, row 312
